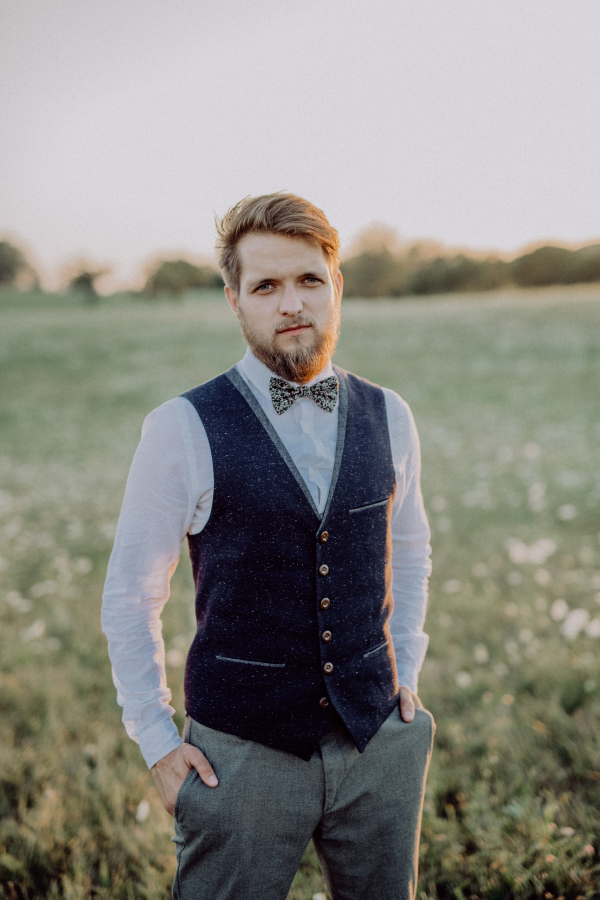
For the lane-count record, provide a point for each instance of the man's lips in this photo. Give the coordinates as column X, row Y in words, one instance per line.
column 293, row 329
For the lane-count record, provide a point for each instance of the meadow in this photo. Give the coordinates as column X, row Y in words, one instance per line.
column 504, row 388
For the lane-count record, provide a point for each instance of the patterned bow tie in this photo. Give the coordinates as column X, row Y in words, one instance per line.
column 283, row 394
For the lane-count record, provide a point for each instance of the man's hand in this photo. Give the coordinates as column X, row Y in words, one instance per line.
column 408, row 701
column 171, row 771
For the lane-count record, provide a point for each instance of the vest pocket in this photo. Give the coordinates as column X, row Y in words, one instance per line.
column 250, row 662
column 358, row 509
column 377, row 648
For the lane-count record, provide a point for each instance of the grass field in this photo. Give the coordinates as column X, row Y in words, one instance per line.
column 505, row 393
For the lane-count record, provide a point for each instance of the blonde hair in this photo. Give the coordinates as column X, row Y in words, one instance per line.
column 278, row 213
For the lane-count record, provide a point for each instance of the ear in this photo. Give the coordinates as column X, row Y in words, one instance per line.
column 232, row 298
column 338, row 282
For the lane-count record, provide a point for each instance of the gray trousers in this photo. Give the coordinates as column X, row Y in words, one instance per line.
column 244, row 839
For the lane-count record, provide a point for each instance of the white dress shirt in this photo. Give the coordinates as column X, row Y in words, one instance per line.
column 169, row 495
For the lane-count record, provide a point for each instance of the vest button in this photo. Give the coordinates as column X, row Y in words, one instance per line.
column 324, row 537
column 328, row 668
column 326, row 636
column 323, row 570
column 325, row 603
column 324, row 702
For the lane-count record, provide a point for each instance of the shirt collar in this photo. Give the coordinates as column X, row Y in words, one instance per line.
column 260, row 375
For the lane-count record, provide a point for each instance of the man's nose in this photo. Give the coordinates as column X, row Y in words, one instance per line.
column 290, row 303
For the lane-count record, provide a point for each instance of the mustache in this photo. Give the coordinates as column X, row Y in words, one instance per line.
column 292, row 323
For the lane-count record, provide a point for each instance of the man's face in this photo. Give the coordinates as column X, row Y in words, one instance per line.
column 288, row 304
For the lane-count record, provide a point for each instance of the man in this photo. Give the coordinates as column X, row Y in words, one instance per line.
column 297, row 485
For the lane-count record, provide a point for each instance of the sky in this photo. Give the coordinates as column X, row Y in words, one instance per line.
column 127, row 124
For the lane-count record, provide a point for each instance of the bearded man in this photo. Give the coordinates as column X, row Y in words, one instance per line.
column 297, row 485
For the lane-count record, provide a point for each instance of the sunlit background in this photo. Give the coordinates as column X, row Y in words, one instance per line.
column 441, row 138
column 126, row 125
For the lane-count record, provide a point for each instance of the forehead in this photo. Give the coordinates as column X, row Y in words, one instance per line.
column 279, row 256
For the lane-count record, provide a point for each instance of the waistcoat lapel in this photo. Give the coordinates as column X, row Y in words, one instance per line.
column 239, row 383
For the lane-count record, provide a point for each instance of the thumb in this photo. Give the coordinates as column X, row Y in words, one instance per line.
column 407, row 704
column 197, row 760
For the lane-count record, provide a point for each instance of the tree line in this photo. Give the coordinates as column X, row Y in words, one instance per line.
column 378, row 266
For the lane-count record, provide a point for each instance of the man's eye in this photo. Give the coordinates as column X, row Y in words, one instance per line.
column 266, row 286
column 312, row 279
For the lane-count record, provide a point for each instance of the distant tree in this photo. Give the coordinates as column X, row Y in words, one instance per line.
column 459, row 273
column 15, row 270
column 586, row 263
column 546, row 265
column 84, row 284
column 374, row 273
column 375, row 267
column 176, row 276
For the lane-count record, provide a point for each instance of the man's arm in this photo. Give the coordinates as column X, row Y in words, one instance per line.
column 411, row 563
column 169, row 489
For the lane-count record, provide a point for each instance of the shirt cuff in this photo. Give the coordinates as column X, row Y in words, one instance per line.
column 157, row 740
column 409, row 679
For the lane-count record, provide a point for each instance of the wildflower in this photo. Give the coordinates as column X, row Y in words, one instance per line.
column 34, row 632
column 536, row 496
column 14, row 599
column 463, row 679
column 543, row 577
column 452, row 586
column 43, row 589
column 589, row 849
column 592, row 629
column 567, row 832
column 481, row 654
column 575, row 622
column 143, row 811
column 508, row 699
column 550, row 857
column 559, row 610
column 566, row 512
column 532, row 450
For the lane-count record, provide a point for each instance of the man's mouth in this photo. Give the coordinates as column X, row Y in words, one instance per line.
column 294, row 329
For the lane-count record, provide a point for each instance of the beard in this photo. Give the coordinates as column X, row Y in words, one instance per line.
column 299, row 364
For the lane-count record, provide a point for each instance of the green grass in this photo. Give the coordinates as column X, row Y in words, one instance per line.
column 505, row 393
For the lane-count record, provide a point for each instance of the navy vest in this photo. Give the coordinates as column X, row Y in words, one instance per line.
column 292, row 606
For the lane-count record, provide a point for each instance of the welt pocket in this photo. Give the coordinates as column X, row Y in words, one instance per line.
column 358, row 509
column 250, row 662
column 377, row 648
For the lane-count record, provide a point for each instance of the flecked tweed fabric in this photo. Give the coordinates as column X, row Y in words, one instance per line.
column 244, row 839
column 259, row 665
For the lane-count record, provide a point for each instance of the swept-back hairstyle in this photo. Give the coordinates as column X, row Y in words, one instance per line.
column 273, row 214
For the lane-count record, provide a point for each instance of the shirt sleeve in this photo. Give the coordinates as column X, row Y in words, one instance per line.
column 411, row 550
column 169, row 492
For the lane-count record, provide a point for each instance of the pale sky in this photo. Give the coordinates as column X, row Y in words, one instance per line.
column 127, row 123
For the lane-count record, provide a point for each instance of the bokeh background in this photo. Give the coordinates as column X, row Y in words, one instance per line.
column 455, row 147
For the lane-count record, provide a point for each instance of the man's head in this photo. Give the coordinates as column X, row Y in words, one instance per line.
column 280, row 261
